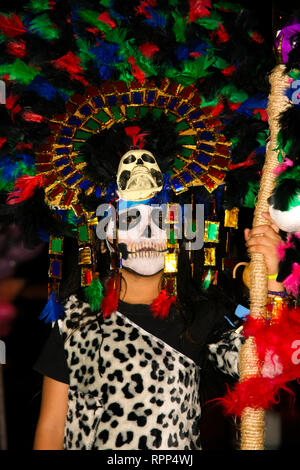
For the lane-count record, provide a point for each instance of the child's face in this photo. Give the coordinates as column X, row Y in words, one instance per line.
column 141, row 239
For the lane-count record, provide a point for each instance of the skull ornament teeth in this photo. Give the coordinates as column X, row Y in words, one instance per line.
column 139, row 176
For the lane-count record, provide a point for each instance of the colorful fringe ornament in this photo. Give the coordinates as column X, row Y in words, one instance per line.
column 53, row 310
column 161, row 305
column 110, row 300
column 94, row 294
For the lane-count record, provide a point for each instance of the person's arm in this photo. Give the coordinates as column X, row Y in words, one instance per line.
column 50, row 428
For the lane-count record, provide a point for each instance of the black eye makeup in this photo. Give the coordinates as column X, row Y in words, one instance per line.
column 129, row 219
column 158, row 217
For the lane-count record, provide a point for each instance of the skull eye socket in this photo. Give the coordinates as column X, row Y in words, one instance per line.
column 148, row 158
column 130, row 159
column 129, row 219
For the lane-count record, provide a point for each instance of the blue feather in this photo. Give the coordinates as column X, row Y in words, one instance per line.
column 43, row 88
column 53, row 310
column 157, row 20
column 182, row 52
column 106, row 56
column 250, row 104
column 43, row 235
column 110, row 192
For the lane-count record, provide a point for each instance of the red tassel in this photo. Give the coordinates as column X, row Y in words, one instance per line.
column 161, row 305
column 11, row 26
column 25, row 187
column 199, row 9
column 110, row 300
column 148, row 50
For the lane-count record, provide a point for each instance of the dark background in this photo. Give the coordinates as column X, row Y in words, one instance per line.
column 28, row 334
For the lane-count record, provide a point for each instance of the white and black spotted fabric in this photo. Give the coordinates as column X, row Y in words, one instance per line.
column 225, row 353
column 128, row 389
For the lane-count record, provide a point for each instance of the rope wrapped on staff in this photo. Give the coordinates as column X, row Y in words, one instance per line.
column 280, row 193
column 252, row 421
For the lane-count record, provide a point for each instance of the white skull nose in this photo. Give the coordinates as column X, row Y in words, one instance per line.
column 140, row 162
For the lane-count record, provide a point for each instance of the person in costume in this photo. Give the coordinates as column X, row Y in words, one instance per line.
column 128, row 376
column 168, row 86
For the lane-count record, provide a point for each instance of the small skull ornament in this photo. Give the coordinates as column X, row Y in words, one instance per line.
column 139, row 176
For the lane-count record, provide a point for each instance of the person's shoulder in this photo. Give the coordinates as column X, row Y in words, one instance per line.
column 77, row 314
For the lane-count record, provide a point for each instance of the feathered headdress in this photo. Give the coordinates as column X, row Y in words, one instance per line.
column 78, row 75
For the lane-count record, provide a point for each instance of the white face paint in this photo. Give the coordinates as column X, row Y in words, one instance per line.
column 141, row 239
column 139, row 176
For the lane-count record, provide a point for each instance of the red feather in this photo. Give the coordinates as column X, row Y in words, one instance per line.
column 16, row 48
column 161, row 305
column 199, row 9
column 138, row 74
column 2, row 141
column 25, row 187
column 248, row 162
column 278, row 348
column 133, row 133
column 11, row 26
column 228, row 71
column 148, row 50
column 110, row 300
column 71, row 64
column 32, row 117
column 107, row 19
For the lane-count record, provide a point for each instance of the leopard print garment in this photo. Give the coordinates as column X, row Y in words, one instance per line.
column 128, row 389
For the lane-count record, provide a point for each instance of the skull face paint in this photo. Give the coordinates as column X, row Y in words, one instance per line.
column 141, row 239
column 139, row 176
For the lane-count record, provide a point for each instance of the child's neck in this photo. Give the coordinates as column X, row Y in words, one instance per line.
column 137, row 289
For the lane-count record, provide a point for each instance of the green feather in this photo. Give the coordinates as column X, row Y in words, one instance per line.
column 228, row 6
column 250, row 198
column 191, row 70
column 211, row 23
column 262, row 137
column 38, row 5
column 105, row 3
column 234, row 95
column 19, row 71
column 84, row 53
column 90, row 16
column 43, row 25
column 94, row 294
column 220, row 63
column 179, row 27
column 116, row 35
column 291, row 173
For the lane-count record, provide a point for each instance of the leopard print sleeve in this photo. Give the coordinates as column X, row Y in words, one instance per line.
column 225, row 353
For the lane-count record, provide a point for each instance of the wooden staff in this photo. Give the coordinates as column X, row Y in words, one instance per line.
column 252, row 421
